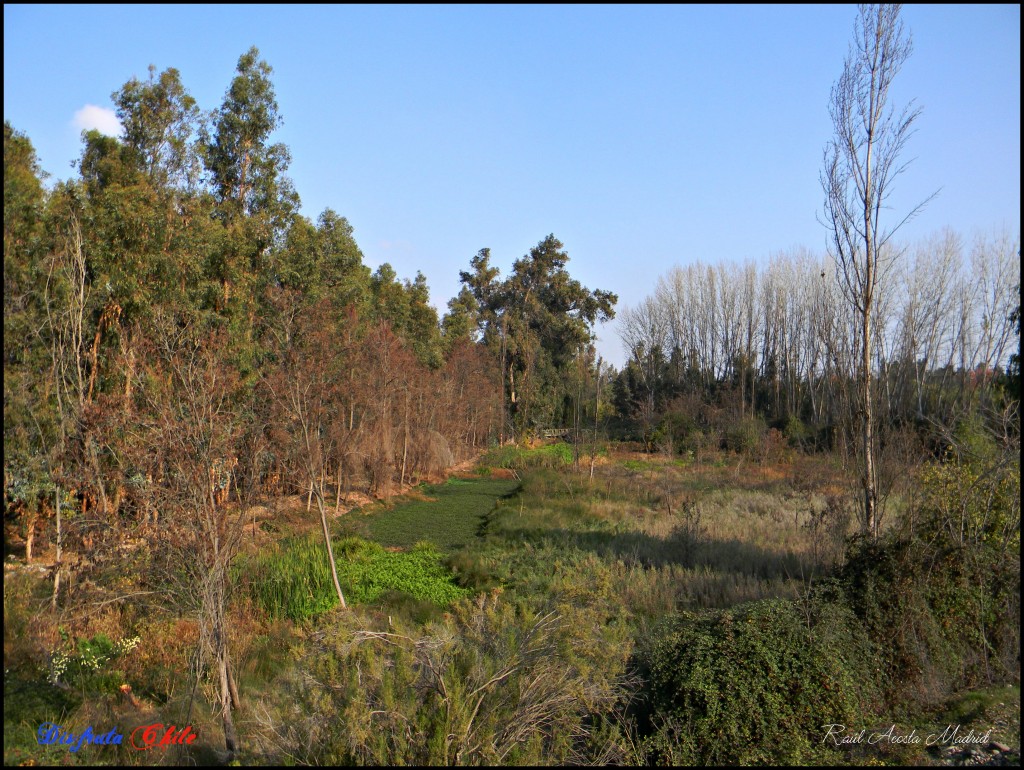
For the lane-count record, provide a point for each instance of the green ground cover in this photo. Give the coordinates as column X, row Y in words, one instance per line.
column 293, row 580
column 449, row 515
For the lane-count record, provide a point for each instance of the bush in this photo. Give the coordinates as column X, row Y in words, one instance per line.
column 797, row 433
column 83, row 663
column 674, row 430
column 489, row 684
column 744, row 435
column 516, row 457
column 754, row 684
column 974, row 443
column 940, row 595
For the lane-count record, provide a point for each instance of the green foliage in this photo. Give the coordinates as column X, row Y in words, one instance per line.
column 159, row 118
column 940, row 595
column 744, row 435
column 405, row 305
column 637, row 465
column 538, row 321
column 26, row 407
column 754, row 685
column 29, row 701
column 513, row 456
column 368, row 571
column 247, row 171
column 797, row 433
column 294, row 580
column 82, row 664
column 449, row 516
column 974, row 443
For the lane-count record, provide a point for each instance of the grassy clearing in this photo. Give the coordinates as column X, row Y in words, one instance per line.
column 664, row 536
column 293, row 579
column 463, row 568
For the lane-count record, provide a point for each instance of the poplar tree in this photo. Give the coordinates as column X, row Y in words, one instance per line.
column 861, row 162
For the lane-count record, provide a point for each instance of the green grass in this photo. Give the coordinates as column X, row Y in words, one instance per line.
column 293, row 580
column 554, row 455
column 449, row 518
column 29, row 701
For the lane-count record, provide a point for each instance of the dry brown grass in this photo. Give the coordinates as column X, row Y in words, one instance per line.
column 710, row 535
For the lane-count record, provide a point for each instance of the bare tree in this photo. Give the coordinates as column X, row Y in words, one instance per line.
column 192, row 423
column 65, row 300
column 861, row 162
column 305, row 401
column 644, row 331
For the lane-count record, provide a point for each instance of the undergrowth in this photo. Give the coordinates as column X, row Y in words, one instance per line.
column 293, row 580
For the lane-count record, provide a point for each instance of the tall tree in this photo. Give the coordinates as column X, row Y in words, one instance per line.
column 160, row 119
column 1013, row 368
column 861, row 162
column 247, row 171
column 192, row 427
column 536, row 321
column 255, row 198
column 305, row 393
column 24, row 276
column 460, row 323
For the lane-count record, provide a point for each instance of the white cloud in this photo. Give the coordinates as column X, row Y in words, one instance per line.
column 99, row 118
column 399, row 245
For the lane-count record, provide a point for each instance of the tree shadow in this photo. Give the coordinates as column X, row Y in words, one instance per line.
column 682, row 547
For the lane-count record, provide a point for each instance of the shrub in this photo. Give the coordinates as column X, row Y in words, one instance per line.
column 797, row 433
column 489, row 684
column 516, row 457
column 744, row 435
column 974, row 443
column 940, row 595
column 754, row 684
column 83, row 663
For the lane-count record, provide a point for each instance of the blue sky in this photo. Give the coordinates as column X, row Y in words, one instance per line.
column 641, row 136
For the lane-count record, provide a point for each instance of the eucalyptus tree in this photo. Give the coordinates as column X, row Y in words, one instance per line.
column 460, row 324
column 247, row 171
column 322, row 260
column 536, row 321
column 24, row 275
column 160, row 122
column 255, row 199
column 554, row 312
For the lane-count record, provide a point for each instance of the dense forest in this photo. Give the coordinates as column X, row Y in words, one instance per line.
column 184, row 350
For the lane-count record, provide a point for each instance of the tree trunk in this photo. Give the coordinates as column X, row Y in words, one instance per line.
column 330, row 550
column 236, row 701
column 30, row 536
column 59, row 547
column 337, row 491
column 230, row 733
column 867, row 428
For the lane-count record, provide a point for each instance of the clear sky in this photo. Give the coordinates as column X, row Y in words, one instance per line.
column 641, row 136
